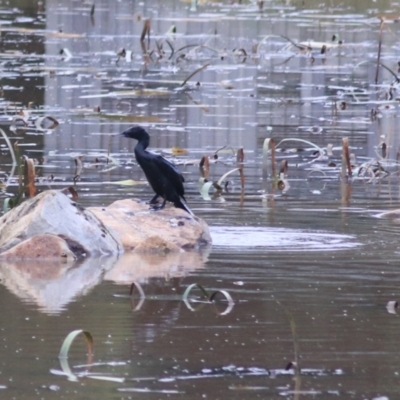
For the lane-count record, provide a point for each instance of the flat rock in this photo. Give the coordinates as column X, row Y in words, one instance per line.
column 54, row 213
column 141, row 229
column 156, row 245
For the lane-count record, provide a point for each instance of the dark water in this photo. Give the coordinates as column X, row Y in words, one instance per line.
column 310, row 268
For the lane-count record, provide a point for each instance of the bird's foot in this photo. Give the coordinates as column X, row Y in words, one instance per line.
column 154, row 200
column 156, row 207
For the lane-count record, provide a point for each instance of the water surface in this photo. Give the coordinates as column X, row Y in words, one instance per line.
column 310, row 268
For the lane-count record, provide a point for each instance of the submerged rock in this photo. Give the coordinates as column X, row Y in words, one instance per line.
column 51, row 225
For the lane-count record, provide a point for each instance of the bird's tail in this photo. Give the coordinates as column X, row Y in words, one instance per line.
column 178, row 203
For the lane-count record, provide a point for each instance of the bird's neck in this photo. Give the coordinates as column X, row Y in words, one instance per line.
column 142, row 145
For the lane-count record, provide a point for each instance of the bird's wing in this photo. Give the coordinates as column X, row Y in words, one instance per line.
column 171, row 173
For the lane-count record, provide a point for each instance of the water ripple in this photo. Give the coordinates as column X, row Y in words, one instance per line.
column 280, row 239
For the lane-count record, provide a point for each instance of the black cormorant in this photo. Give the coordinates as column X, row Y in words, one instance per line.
column 163, row 176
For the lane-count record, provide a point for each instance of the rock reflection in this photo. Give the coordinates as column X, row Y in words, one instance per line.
column 139, row 267
column 51, row 284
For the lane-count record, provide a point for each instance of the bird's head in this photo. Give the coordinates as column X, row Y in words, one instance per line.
column 136, row 132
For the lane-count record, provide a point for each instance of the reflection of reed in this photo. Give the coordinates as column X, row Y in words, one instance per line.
column 295, row 365
column 240, row 164
column 207, row 298
column 345, row 189
column 268, row 164
column 346, row 164
column 142, row 296
column 63, row 356
column 74, row 376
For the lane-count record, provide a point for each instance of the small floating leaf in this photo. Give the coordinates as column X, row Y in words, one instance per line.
column 65, row 35
column 106, row 378
column 65, row 52
column 142, row 296
column 39, row 123
column 392, row 306
column 192, row 286
column 321, row 151
column 178, row 151
column 224, row 293
column 139, row 289
column 227, row 296
column 205, row 190
column 227, row 84
column 291, row 365
column 223, row 177
column 269, row 144
column 66, row 370
column 71, row 337
column 171, row 30
column 146, row 390
column 19, row 121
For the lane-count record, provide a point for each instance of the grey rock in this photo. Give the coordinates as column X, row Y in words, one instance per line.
column 54, row 213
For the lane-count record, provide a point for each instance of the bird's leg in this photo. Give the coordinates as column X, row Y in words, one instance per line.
column 157, row 207
column 154, row 200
